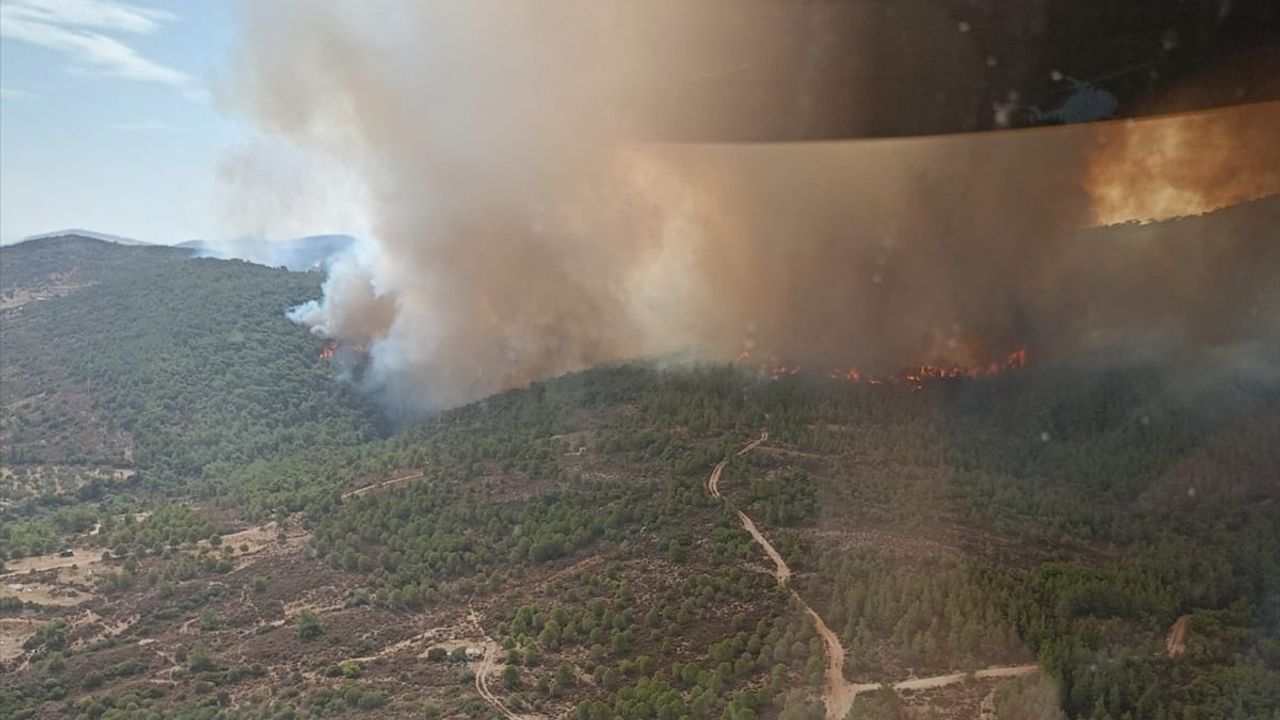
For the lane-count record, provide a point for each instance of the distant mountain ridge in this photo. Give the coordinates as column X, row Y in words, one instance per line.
column 91, row 234
column 310, row 252
column 56, row 265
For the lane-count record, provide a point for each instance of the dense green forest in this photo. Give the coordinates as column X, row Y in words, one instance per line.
column 190, row 366
column 1097, row 465
column 162, row 376
column 75, row 260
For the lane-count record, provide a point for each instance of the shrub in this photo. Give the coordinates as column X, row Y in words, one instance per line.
column 309, row 625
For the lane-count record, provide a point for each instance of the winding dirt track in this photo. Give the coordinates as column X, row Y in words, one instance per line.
column 839, row 692
column 488, row 662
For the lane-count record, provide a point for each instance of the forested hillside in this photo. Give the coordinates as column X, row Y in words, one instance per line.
column 162, row 372
column 243, row 541
column 1052, row 521
column 54, row 266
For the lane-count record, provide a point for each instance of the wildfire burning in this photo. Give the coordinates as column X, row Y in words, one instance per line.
column 332, row 347
column 916, row 377
column 1161, row 168
column 562, row 232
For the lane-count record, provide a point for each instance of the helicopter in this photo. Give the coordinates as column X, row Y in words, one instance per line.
column 1086, row 102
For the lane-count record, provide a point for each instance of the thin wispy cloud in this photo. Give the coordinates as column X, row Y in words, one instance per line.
column 82, row 30
column 12, row 93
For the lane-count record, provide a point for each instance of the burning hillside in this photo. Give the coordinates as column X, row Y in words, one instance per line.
column 346, row 357
column 917, row 376
column 1157, row 169
column 521, row 231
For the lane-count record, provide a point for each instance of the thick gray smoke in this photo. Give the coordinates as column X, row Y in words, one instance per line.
column 525, row 223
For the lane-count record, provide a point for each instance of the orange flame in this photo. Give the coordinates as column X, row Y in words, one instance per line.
column 916, row 376
column 1160, row 168
column 331, row 348
column 925, row 373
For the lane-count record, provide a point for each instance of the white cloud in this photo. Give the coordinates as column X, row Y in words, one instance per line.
column 77, row 29
column 101, row 14
column 12, row 93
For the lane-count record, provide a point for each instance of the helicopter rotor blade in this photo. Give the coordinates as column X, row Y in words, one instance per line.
column 1098, row 78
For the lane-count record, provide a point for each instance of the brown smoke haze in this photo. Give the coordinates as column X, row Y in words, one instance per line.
column 525, row 224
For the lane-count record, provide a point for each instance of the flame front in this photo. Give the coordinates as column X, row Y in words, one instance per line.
column 331, row 348
column 917, row 376
column 1190, row 164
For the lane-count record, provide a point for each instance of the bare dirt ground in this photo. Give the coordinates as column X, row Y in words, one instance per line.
column 44, row 593
column 258, row 539
column 59, row 284
column 84, row 557
column 64, row 581
column 14, row 632
column 987, row 711
column 1176, row 644
column 54, row 580
column 937, row 681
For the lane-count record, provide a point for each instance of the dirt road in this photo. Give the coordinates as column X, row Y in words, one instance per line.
column 839, row 693
column 385, row 483
column 488, row 662
column 781, row 570
column 944, row 680
column 713, row 482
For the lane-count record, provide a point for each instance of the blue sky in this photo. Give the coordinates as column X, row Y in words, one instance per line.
column 107, row 116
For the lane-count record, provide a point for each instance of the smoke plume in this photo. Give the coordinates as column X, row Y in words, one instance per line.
column 525, row 222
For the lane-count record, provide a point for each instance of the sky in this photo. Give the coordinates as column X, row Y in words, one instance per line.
column 109, row 119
